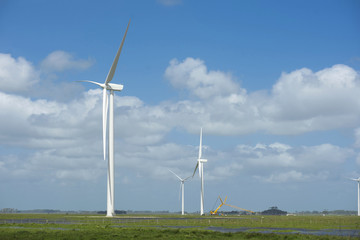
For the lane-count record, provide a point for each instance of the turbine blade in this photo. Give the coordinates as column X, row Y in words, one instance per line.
column 176, row 175
column 197, row 164
column 99, row 84
column 105, row 112
column 113, row 66
column 200, row 146
column 180, row 191
column 187, row 178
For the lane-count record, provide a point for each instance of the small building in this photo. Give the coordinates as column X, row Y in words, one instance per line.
column 274, row 211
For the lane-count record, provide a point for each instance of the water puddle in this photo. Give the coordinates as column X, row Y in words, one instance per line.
column 333, row 232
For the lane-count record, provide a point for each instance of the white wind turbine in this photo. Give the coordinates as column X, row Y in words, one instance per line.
column 358, row 180
column 182, row 181
column 108, row 102
column 199, row 164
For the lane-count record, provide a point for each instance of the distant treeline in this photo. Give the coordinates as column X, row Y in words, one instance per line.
column 116, row 212
column 327, row 212
column 270, row 211
column 52, row 211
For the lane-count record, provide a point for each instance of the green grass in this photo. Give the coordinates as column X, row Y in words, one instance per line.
column 60, row 226
column 307, row 222
column 142, row 233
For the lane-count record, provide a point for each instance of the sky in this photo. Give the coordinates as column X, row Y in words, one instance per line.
column 274, row 85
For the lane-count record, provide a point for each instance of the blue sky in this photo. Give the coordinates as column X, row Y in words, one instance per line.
column 274, row 84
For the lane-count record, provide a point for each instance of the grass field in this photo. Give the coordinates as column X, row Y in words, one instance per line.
column 54, row 226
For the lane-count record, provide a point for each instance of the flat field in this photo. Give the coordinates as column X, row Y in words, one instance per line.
column 56, row 226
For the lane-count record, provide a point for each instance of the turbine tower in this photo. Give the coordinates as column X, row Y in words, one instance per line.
column 108, row 105
column 199, row 164
column 358, row 180
column 182, row 181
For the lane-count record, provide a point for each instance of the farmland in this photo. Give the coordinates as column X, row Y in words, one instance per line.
column 61, row 226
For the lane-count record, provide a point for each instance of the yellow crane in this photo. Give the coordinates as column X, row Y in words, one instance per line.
column 223, row 203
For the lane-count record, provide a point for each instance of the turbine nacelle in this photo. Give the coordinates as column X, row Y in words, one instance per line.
column 181, row 179
column 114, row 87
column 202, row 160
column 109, row 86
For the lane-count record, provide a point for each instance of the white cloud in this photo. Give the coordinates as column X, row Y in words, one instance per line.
column 285, row 177
column 59, row 61
column 20, row 118
column 225, row 171
column 300, row 102
column 279, row 163
column 292, row 176
column 193, row 75
column 79, row 174
column 304, row 157
column 303, row 101
column 65, row 138
column 324, row 155
column 358, row 159
column 16, row 75
column 279, row 147
column 357, row 137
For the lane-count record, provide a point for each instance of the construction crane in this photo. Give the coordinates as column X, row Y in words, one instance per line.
column 223, row 203
column 239, row 208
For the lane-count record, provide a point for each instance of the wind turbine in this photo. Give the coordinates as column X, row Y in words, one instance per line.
column 199, row 164
column 182, row 181
column 358, row 180
column 108, row 104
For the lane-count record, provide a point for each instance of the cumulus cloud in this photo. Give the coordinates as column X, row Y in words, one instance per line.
column 19, row 76
column 62, row 139
column 358, row 159
column 19, row 118
column 229, row 169
column 286, row 163
column 285, row 177
column 193, row 75
column 357, row 137
column 311, row 101
column 65, row 138
column 16, row 75
column 301, row 157
column 301, row 101
column 292, row 176
column 59, row 61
